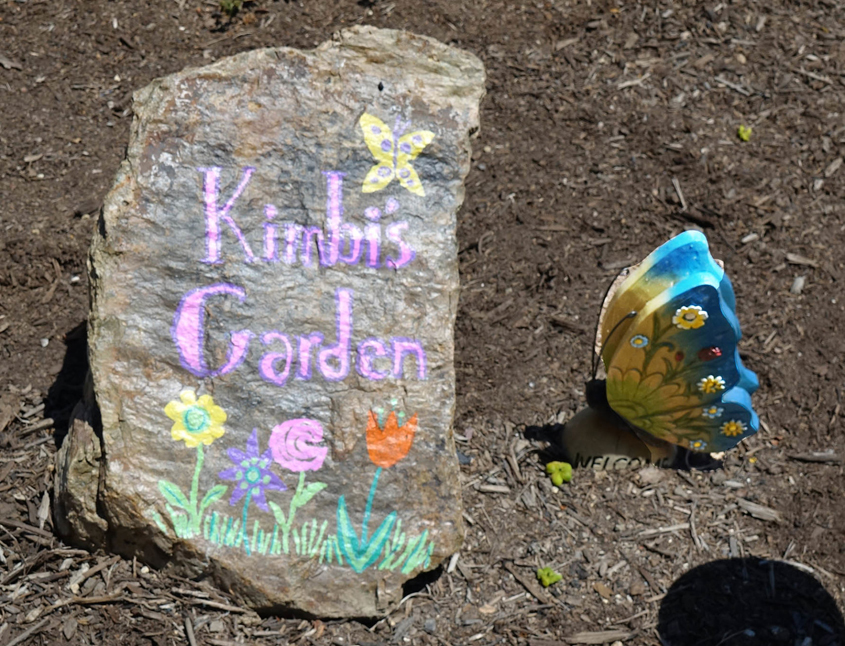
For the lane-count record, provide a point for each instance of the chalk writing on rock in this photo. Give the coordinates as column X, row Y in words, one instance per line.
column 375, row 359
column 289, row 242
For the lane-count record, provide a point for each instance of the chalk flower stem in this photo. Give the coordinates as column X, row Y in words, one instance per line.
column 386, row 445
column 195, row 484
column 300, row 498
column 369, row 506
column 197, row 422
column 244, row 535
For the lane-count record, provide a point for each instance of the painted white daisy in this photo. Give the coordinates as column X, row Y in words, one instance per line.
column 711, row 384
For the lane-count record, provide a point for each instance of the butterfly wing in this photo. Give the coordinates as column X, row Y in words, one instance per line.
column 380, row 142
column 409, row 179
column 412, row 144
column 674, row 370
column 683, row 256
column 409, row 146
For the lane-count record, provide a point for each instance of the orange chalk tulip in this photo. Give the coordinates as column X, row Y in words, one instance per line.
column 390, row 444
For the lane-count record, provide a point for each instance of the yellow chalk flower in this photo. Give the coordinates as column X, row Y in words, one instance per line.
column 195, row 421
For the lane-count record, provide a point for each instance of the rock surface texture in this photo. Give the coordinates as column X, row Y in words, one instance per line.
column 274, row 286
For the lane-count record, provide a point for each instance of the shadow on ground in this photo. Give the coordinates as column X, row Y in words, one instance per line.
column 752, row 602
column 68, row 387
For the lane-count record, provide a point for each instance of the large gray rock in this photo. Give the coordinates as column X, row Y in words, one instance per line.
column 274, row 284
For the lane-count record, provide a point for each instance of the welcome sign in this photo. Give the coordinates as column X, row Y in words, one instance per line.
column 274, row 286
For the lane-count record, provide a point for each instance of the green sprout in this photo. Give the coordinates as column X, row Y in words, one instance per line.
column 559, row 472
column 547, row 576
column 744, row 133
column 231, row 7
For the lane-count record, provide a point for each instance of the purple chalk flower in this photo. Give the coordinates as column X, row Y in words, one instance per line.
column 251, row 473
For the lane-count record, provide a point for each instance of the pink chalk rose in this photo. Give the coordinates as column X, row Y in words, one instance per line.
column 294, row 445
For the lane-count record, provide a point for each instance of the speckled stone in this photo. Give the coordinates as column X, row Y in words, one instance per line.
column 274, row 284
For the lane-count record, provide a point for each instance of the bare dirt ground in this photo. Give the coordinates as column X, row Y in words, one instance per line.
column 607, row 128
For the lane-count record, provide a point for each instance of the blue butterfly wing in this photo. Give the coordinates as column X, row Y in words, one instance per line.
column 684, row 256
column 675, row 370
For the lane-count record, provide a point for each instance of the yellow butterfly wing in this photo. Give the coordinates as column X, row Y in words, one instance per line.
column 409, row 179
column 412, row 144
column 378, row 178
column 409, row 147
column 380, row 142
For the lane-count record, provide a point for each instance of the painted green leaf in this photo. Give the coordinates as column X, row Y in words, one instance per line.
column 309, row 492
column 173, row 494
column 214, row 494
column 277, row 512
column 418, row 554
column 360, row 555
column 179, row 520
column 159, row 521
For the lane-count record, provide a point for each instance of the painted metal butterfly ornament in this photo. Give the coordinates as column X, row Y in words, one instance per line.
column 667, row 336
column 393, row 153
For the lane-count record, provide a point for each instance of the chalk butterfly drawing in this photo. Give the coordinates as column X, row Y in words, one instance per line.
column 393, row 153
column 667, row 336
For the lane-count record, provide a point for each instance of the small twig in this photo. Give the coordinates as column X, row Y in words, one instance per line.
column 189, row 631
column 92, row 601
column 631, row 618
column 26, row 634
column 9, row 522
column 760, row 512
column 218, row 606
column 733, row 86
column 695, row 539
column 491, row 488
column 602, row 637
column 680, row 193
column 634, row 82
column 44, row 423
column 32, row 411
column 649, row 579
column 477, row 479
column 87, row 601
column 815, row 77
column 816, row 457
column 648, row 533
column 98, row 568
